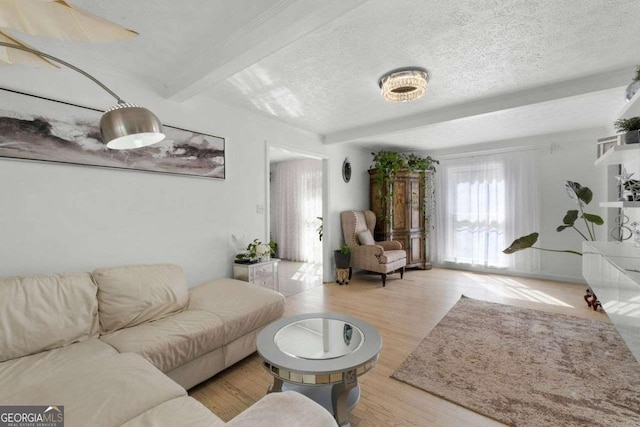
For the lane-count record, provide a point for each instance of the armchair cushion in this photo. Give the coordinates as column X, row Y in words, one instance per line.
column 365, row 238
column 390, row 256
column 367, row 257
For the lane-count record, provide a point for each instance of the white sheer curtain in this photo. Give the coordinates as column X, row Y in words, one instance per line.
column 297, row 202
column 483, row 204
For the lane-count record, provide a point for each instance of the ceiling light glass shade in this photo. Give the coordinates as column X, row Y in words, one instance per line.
column 404, row 85
column 127, row 126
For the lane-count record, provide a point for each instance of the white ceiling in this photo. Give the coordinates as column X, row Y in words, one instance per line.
column 278, row 154
column 499, row 69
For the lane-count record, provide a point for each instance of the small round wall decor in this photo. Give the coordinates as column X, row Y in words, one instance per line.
column 346, row 170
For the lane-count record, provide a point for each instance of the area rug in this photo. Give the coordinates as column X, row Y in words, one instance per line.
column 527, row 367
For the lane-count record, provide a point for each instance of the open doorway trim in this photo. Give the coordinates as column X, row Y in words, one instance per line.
column 326, row 253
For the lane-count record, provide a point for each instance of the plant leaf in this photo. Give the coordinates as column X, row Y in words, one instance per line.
column 579, row 193
column 570, row 218
column 572, row 189
column 593, row 218
column 521, row 243
column 585, row 194
column 562, row 227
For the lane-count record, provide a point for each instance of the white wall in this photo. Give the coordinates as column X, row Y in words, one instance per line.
column 57, row 218
column 353, row 195
column 561, row 157
column 568, row 160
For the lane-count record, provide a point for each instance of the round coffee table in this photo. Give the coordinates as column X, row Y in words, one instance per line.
column 320, row 355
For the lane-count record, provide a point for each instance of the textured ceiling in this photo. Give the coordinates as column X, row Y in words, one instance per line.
column 315, row 65
column 473, row 49
column 172, row 34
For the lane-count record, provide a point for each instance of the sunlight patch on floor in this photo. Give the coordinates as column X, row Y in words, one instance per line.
column 297, row 277
column 308, row 272
column 508, row 287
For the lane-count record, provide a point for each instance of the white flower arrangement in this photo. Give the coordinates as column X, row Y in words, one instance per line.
column 257, row 251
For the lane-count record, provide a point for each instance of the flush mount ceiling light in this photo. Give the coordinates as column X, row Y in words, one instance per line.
column 405, row 84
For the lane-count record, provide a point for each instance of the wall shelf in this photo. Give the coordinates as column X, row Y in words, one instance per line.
column 619, row 154
column 621, row 204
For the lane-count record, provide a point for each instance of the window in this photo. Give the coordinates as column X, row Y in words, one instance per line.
column 477, row 199
column 484, row 203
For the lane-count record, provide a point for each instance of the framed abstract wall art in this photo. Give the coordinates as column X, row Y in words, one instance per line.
column 35, row 128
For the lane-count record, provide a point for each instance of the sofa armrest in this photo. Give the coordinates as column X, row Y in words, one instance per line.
column 287, row 408
column 390, row 245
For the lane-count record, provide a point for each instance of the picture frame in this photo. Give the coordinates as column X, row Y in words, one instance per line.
column 41, row 129
column 605, row 144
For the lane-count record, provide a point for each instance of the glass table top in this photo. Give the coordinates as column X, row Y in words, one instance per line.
column 318, row 338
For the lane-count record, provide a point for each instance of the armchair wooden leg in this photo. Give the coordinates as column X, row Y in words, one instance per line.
column 402, row 273
column 384, row 279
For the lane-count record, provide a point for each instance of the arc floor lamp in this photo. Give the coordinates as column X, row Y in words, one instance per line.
column 124, row 126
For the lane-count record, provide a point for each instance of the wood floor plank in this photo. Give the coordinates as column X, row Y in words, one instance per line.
column 403, row 312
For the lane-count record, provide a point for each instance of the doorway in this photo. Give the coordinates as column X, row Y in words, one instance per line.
column 296, row 194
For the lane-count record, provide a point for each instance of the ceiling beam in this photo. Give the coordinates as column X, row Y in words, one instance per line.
column 551, row 92
column 282, row 24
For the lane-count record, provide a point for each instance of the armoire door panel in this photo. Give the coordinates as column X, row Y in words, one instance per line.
column 400, row 205
column 417, row 249
column 415, row 204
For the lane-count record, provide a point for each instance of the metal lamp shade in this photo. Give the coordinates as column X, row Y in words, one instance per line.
column 128, row 126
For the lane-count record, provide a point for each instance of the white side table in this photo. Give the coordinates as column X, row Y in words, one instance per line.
column 263, row 274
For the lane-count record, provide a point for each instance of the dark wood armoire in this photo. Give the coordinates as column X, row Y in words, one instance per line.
column 400, row 204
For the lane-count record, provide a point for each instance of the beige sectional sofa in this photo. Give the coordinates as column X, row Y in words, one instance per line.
column 119, row 346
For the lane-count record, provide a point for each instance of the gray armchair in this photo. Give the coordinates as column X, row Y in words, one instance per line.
column 381, row 257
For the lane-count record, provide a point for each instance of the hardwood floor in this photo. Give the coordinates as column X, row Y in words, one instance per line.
column 297, row 277
column 404, row 312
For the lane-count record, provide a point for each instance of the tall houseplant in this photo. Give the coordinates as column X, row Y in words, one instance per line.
column 582, row 196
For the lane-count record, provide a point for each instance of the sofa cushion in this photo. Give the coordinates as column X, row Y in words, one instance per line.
column 47, row 311
column 172, row 341
column 99, row 391
column 135, row 294
column 390, row 256
column 38, row 366
column 182, row 411
column 242, row 306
